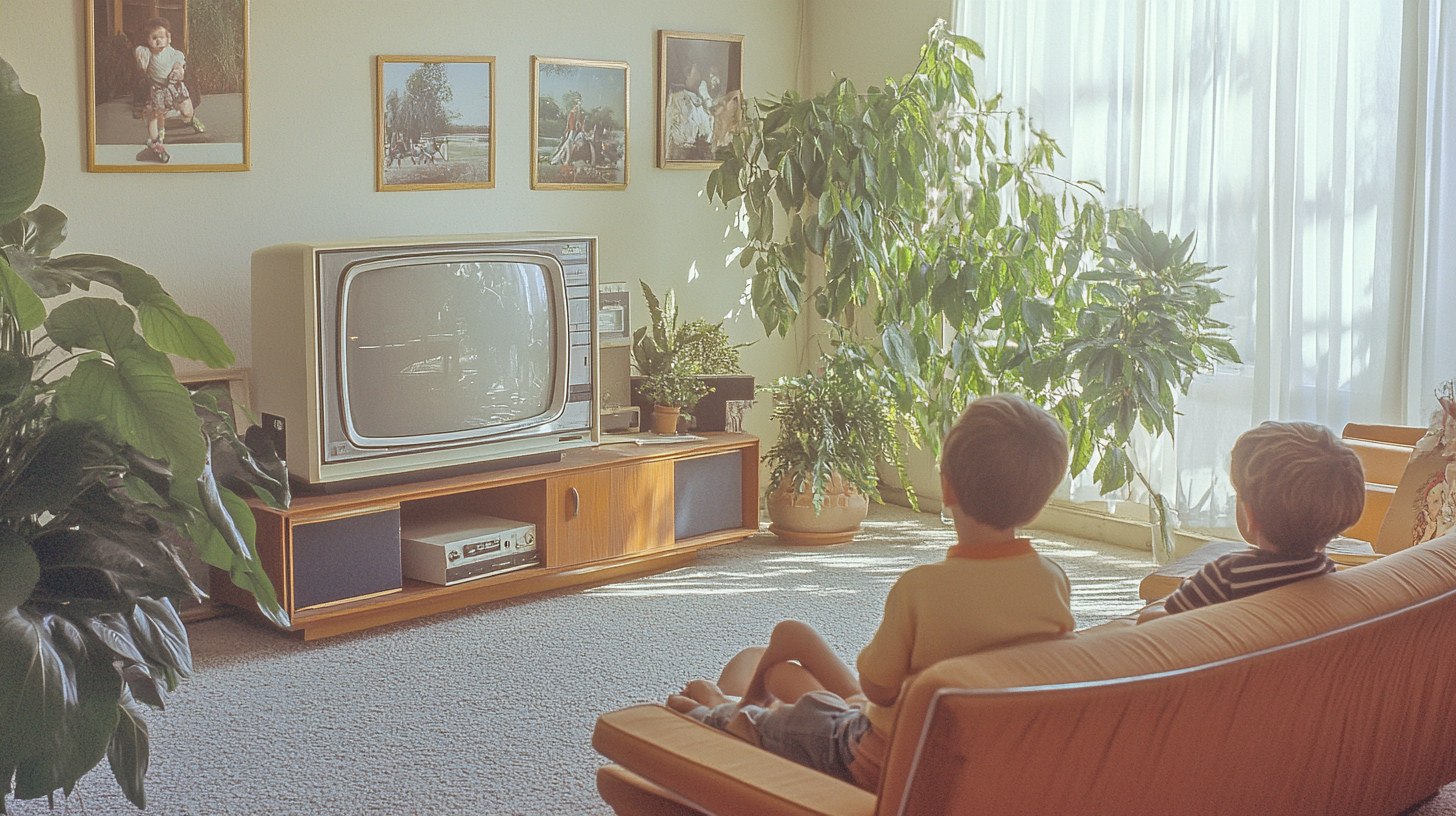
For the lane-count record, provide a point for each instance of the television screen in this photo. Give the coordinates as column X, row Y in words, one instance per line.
column 445, row 346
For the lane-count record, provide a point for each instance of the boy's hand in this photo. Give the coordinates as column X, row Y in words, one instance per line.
column 1152, row 611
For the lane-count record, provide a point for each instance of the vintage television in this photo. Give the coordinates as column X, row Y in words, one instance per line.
column 389, row 360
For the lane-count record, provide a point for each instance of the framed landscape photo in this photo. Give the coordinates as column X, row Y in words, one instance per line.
column 434, row 123
column 699, row 96
column 166, row 86
column 579, row 124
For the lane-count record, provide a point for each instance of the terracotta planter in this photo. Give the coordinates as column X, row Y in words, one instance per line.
column 795, row 522
column 664, row 420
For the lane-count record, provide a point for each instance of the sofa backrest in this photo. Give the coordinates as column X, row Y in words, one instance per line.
column 1331, row 695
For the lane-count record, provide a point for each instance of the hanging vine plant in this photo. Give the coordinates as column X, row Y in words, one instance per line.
column 960, row 263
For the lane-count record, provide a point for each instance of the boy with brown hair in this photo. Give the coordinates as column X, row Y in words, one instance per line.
column 1000, row 463
column 1298, row 486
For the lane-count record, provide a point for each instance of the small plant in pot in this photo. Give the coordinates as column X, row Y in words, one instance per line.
column 834, row 425
column 673, row 396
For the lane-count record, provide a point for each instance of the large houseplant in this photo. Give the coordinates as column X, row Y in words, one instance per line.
column 107, row 467
column 951, row 252
column 834, row 424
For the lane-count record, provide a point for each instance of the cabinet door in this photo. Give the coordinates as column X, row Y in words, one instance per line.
column 578, row 516
column 642, row 496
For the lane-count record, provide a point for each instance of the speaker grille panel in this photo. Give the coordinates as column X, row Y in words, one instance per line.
column 708, row 494
column 344, row 558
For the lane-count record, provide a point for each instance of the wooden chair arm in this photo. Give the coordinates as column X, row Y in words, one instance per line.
column 720, row 773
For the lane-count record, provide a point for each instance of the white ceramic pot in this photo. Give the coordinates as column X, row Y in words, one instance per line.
column 794, row 520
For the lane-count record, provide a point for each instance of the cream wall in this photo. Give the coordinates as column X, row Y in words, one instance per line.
column 312, row 174
column 867, row 40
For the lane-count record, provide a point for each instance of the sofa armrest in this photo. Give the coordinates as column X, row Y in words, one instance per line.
column 719, row 773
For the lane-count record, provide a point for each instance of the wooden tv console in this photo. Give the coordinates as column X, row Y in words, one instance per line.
column 601, row 514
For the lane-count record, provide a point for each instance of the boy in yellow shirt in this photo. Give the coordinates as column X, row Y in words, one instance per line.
column 1000, row 463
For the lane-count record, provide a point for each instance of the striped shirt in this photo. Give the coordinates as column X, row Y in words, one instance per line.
column 1243, row 573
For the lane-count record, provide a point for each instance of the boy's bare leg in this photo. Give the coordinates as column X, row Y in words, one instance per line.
column 696, row 693
column 739, row 672
column 784, row 681
column 789, row 682
column 799, row 642
column 681, row 703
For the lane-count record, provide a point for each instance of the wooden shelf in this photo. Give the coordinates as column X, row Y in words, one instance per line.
column 625, row 518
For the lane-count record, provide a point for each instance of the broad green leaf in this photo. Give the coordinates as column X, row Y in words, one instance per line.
column 104, row 569
column 19, row 299
column 234, row 521
column 140, row 403
column 57, row 468
column 33, row 685
column 900, row 349
column 16, row 370
column 19, row 571
column 128, row 751
column 159, row 633
column 67, row 703
column 55, row 276
column 93, row 323
column 22, row 153
column 169, row 329
column 37, row 232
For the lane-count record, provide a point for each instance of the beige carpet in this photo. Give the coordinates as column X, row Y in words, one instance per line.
column 489, row 711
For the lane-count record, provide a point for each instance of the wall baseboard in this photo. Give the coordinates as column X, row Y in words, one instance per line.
column 1065, row 517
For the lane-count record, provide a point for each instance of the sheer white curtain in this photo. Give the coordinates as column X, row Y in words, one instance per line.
column 1286, row 135
column 1433, row 314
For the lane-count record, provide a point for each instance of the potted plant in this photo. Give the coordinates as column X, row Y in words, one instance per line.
column 706, row 347
column 834, row 426
column 107, row 467
column 928, row 220
column 669, row 360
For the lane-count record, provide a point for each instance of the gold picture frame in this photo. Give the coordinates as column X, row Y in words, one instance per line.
column 434, row 123
column 578, row 108
column 699, row 96
column 150, row 109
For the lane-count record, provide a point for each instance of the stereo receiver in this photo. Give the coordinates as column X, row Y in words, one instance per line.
column 462, row 548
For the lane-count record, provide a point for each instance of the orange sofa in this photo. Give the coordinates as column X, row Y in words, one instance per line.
column 1332, row 695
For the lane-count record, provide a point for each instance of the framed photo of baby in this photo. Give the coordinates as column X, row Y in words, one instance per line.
column 167, row 86
column 699, row 96
column 579, row 124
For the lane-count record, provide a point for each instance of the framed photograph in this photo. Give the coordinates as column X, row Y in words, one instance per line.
column 166, row 86
column 579, row 124
column 434, row 123
column 699, row 96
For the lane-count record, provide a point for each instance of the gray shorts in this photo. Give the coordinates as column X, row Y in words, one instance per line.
column 820, row 731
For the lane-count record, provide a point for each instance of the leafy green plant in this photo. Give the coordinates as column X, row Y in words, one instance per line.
column 959, row 263
column 668, row 357
column 839, row 420
column 705, row 347
column 671, row 390
column 108, row 466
